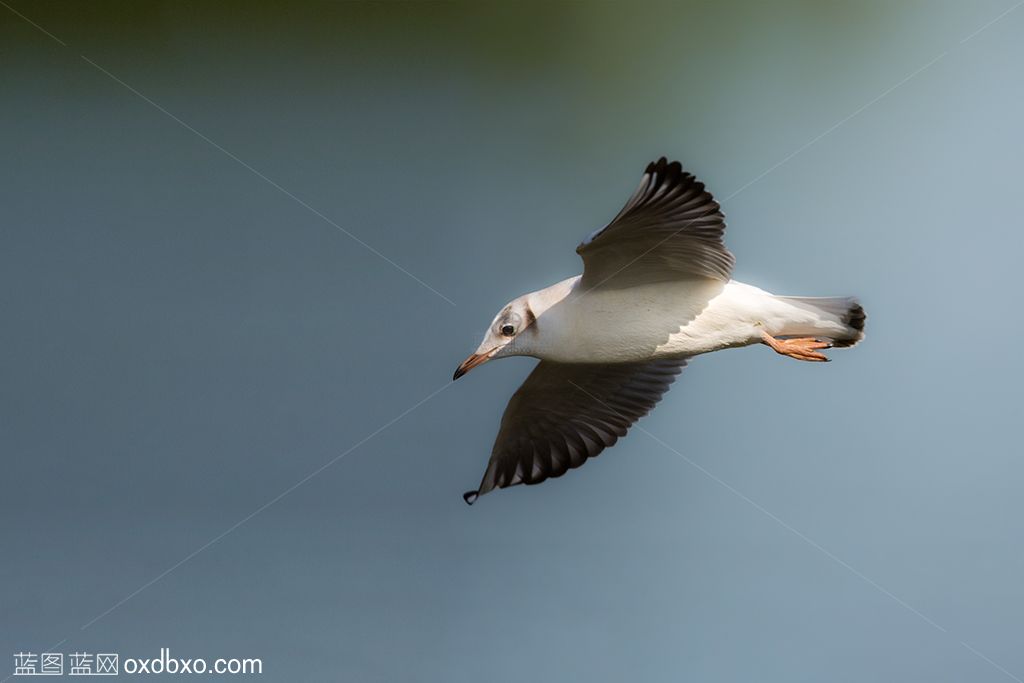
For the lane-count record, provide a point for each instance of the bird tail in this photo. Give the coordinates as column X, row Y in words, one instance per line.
column 840, row 318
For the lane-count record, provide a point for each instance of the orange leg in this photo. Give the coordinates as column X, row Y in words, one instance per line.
column 801, row 348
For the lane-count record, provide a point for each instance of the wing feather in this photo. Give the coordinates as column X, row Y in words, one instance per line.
column 670, row 229
column 565, row 413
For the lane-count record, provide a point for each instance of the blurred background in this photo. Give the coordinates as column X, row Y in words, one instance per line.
column 240, row 245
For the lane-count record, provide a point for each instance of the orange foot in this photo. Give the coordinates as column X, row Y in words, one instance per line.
column 801, row 348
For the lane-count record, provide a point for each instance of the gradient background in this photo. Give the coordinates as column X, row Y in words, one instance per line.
column 183, row 341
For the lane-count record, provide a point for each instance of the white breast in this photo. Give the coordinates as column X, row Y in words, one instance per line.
column 670, row 319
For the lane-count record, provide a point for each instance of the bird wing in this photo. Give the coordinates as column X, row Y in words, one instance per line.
column 671, row 228
column 565, row 413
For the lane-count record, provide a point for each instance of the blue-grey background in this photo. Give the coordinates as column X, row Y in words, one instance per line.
column 182, row 341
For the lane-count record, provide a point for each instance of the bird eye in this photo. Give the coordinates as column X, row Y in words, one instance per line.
column 508, row 330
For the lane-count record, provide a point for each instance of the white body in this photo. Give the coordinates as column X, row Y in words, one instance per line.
column 663, row 320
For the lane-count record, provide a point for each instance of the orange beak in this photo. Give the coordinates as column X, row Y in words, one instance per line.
column 471, row 362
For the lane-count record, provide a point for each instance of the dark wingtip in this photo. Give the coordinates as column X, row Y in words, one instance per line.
column 656, row 166
column 670, row 170
column 470, row 497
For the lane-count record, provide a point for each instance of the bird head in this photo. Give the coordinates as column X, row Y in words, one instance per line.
column 502, row 335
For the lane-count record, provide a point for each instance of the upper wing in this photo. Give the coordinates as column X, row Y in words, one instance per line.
column 565, row 413
column 669, row 229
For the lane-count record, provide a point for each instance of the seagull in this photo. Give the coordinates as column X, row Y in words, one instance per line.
column 655, row 291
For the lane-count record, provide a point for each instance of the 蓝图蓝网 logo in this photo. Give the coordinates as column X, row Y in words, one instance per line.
column 52, row 664
column 111, row 664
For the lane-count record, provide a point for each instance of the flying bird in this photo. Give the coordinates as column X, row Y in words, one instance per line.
column 655, row 291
